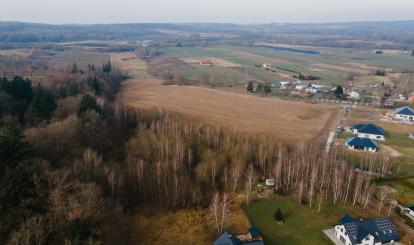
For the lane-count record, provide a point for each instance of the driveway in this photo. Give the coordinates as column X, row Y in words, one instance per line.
column 330, row 233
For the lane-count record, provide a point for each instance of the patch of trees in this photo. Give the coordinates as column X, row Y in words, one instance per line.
column 18, row 99
column 250, row 87
column 306, row 77
column 146, row 52
column 53, row 189
column 380, row 72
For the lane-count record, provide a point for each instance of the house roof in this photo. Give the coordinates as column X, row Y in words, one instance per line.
column 227, row 239
column 346, row 219
column 362, row 142
column 254, row 232
column 381, row 228
column 405, row 111
column 369, row 129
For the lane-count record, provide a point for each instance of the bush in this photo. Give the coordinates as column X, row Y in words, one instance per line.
column 279, row 216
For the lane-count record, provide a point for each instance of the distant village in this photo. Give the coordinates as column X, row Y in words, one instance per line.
column 307, row 88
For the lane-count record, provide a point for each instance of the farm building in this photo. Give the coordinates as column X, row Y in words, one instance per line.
column 206, row 63
column 371, row 231
column 267, row 66
column 369, row 131
column 404, row 114
column 252, row 238
column 363, row 144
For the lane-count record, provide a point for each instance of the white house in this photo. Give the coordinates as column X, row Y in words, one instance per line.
column 299, row 87
column 311, row 90
column 405, row 114
column 374, row 231
column 409, row 211
column 267, row 65
column 353, row 95
column 362, row 144
column 369, row 131
column 284, row 84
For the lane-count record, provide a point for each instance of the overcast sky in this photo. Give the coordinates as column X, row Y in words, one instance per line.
column 235, row 11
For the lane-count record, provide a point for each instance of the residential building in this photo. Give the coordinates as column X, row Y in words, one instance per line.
column 311, row 90
column 369, row 131
column 373, row 231
column 363, row 144
column 252, row 238
column 353, row 95
column 404, row 114
column 408, row 211
column 267, row 66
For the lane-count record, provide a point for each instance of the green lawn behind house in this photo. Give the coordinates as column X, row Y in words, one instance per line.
column 303, row 224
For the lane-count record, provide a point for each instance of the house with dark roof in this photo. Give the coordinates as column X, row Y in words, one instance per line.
column 369, row 131
column 373, row 231
column 252, row 238
column 362, row 144
column 405, row 114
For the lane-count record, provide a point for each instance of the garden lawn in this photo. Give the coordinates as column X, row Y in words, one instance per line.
column 303, row 225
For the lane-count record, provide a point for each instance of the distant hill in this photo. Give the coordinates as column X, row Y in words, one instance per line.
column 396, row 34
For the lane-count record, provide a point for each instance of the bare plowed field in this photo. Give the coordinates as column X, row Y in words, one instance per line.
column 285, row 119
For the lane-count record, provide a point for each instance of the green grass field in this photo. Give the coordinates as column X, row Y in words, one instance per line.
column 401, row 143
column 216, row 75
column 404, row 187
column 303, row 225
column 332, row 65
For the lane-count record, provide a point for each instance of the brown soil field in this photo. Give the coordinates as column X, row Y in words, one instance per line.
column 215, row 61
column 285, row 119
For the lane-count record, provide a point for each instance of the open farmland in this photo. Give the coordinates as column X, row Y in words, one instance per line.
column 284, row 119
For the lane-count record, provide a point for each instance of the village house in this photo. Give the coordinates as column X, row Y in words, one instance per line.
column 206, row 62
column 252, row 238
column 267, row 66
column 373, row 231
column 353, row 95
column 405, row 114
column 369, row 131
column 284, row 84
column 363, row 144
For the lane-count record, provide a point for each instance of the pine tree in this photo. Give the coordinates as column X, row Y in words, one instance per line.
column 339, row 91
column 94, row 85
column 267, row 88
column 74, row 68
column 107, row 68
column 88, row 103
column 279, row 216
column 250, row 87
column 41, row 107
